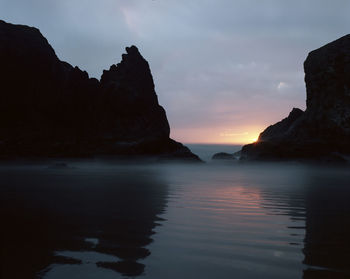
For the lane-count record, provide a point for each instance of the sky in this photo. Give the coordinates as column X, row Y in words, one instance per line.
column 224, row 70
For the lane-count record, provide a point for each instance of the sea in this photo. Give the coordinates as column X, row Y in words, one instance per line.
column 216, row 220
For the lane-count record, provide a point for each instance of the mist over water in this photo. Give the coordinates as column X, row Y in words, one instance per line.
column 95, row 219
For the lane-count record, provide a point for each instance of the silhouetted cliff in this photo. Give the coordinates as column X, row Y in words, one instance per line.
column 49, row 108
column 322, row 132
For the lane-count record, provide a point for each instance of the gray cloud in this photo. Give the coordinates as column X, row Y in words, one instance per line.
column 225, row 65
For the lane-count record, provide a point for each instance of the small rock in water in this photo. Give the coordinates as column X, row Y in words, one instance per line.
column 223, row 156
column 59, row 165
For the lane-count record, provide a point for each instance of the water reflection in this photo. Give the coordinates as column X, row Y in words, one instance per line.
column 88, row 215
column 327, row 236
column 223, row 221
column 319, row 209
column 230, row 221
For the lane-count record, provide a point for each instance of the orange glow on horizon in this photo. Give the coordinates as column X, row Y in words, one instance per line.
column 218, row 135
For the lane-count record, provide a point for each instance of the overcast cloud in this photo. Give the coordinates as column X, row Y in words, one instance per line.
column 223, row 69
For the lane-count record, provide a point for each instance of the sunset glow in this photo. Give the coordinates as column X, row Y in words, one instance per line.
column 217, row 135
column 175, row 139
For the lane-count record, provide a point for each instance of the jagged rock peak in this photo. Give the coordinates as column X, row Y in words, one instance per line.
column 49, row 108
column 132, row 78
column 133, row 50
column 130, row 59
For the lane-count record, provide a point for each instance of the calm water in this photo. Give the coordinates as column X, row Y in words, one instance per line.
column 215, row 220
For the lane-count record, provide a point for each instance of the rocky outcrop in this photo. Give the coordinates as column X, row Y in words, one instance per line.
column 322, row 132
column 223, row 156
column 284, row 128
column 49, row 108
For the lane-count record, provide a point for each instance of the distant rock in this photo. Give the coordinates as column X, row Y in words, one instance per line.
column 223, row 156
column 322, row 132
column 59, row 165
column 50, row 109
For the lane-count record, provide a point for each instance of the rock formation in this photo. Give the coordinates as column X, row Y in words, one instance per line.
column 49, row 108
column 322, row 132
column 223, row 156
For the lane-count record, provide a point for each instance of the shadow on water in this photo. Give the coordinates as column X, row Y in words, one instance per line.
column 49, row 214
column 327, row 236
column 321, row 199
column 316, row 200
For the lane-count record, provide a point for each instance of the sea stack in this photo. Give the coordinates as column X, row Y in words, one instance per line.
column 50, row 109
column 322, row 132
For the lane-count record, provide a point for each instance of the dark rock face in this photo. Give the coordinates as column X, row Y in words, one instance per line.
column 323, row 130
column 282, row 129
column 49, row 108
